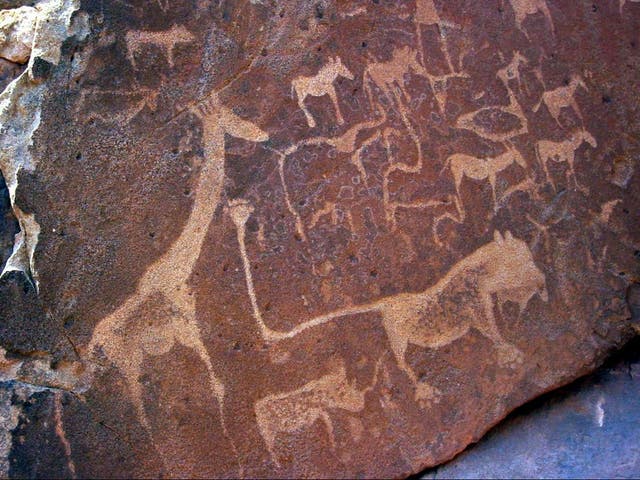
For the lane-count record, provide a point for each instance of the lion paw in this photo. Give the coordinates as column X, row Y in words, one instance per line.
column 510, row 357
column 426, row 395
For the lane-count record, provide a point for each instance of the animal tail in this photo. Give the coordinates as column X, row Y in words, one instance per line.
column 326, row 318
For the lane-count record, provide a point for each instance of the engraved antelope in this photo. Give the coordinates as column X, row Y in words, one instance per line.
column 564, row 151
column 165, row 39
column 462, row 165
column 319, row 85
column 124, row 336
column 292, row 411
column 562, row 97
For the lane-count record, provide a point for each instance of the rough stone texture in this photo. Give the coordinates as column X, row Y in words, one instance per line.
column 589, row 429
column 271, row 238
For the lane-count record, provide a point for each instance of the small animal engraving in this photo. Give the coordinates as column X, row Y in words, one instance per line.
column 564, row 151
column 562, row 97
column 321, row 84
column 462, row 165
column 166, row 40
column 524, row 8
column 295, row 410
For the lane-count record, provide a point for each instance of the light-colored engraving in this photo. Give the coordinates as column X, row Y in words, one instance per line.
column 292, row 411
column 462, row 165
column 389, row 77
column 427, row 14
column 135, row 103
column 319, row 85
column 461, row 300
column 564, row 151
column 125, row 337
column 524, row 8
column 345, row 143
column 166, row 40
column 468, row 121
column 512, row 70
column 562, row 97
column 60, row 433
column 623, row 2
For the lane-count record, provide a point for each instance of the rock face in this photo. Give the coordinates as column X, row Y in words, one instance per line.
column 267, row 239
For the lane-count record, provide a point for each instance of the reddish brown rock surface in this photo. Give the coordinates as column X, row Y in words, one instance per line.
column 336, row 239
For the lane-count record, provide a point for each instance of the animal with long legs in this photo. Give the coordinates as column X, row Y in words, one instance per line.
column 563, row 151
column 123, row 337
column 462, row 165
column 319, row 85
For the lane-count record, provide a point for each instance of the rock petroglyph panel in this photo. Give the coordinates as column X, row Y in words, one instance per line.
column 273, row 237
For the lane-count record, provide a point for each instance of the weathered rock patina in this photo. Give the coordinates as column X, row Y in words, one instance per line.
column 320, row 239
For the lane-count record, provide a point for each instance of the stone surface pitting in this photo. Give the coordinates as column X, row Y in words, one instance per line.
column 270, row 238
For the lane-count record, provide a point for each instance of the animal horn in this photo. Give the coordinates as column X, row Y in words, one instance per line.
column 497, row 237
column 507, row 235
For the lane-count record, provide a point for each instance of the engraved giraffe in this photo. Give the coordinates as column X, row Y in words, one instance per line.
column 563, row 151
column 295, row 410
column 461, row 300
column 462, row 165
column 125, row 337
column 319, row 85
column 165, row 39
column 562, row 97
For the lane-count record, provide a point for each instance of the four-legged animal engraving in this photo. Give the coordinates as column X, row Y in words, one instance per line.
column 564, row 151
column 166, row 40
column 562, row 97
column 461, row 300
column 125, row 337
column 523, row 8
column 321, row 84
column 292, row 411
column 462, row 165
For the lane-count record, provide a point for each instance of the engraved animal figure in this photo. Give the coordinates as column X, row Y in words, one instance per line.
column 165, row 39
column 562, row 97
column 321, row 84
column 512, row 70
column 427, row 14
column 389, row 77
column 125, row 337
column 468, row 121
column 462, row 165
column 524, row 8
column 564, row 151
column 461, row 300
column 292, row 411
